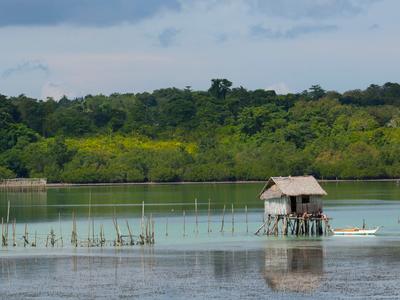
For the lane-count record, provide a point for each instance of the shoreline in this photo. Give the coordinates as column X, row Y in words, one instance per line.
column 206, row 182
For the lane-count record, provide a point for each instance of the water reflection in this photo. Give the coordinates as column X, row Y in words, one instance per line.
column 294, row 269
column 25, row 205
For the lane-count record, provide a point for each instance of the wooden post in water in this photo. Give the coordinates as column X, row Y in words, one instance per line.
column 247, row 220
column 131, row 242
column 14, row 229
column 233, row 220
column 184, row 223
column 74, row 234
column 61, row 237
column 26, row 241
column 223, row 219
column 166, row 227
column 142, row 220
column 209, row 216
column 118, row 240
column 90, row 203
column 2, row 232
column 102, row 236
column 34, row 241
column 152, row 230
column 197, row 219
column 8, row 219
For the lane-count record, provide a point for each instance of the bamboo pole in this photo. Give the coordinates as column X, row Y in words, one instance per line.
column 223, row 219
column 101, row 233
column 8, row 211
column 197, row 219
column 61, row 237
column 26, row 241
column 14, row 229
column 184, row 223
column 209, row 216
column 247, row 220
column 131, row 242
column 74, row 234
column 90, row 204
column 34, row 241
column 8, row 219
column 2, row 232
column 166, row 227
column 118, row 240
column 153, row 222
column 233, row 219
column 142, row 220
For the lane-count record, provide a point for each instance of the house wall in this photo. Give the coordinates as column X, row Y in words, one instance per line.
column 314, row 206
column 277, row 206
column 281, row 206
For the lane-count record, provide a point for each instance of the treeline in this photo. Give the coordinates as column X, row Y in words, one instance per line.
column 223, row 133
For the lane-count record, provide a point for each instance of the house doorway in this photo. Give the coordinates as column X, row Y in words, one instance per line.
column 293, row 204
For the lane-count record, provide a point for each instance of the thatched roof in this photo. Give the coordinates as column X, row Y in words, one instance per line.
column 291, row 186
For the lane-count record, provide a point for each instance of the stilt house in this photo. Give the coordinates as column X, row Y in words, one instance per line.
column 292, row 196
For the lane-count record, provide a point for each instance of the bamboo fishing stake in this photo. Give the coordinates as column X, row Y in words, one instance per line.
column 233, row 220
column 184, row 223
column 197, row 220
column 166, row 227
column 90, row 203
column 61, row 237
column 142, row 221
column 26, row 241
column 8, row 219
column 8, row 211
column 93, row 230
column 34, row 242
column 247, row 220
column 74, row 235
column 14, row 228
column 118, row 241
column 223, row 219
column 152, row 229
column 209, row 217
column 130, row 233
column 2, row 232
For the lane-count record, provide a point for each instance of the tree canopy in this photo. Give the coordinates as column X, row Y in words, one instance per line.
column 224, row 133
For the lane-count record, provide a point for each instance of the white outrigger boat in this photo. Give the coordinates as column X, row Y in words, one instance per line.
column 355, row 231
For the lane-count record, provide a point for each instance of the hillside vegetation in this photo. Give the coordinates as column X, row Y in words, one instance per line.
column 224, row 133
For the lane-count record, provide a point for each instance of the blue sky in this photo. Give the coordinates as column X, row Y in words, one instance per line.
column 79, row 47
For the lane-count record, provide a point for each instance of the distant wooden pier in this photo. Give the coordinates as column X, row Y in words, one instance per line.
column 23, row 184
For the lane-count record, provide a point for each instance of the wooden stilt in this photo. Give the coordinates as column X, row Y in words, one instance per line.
column 284, row 229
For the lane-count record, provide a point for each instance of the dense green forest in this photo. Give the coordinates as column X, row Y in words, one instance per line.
column 223, row 133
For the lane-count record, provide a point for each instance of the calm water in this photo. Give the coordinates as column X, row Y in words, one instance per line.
column 232, row 264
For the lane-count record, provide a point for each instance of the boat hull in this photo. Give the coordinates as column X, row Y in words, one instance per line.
column 355, row 231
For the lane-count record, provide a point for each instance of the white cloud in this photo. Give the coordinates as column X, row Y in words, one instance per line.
column 280, row 88
column 55, row 91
